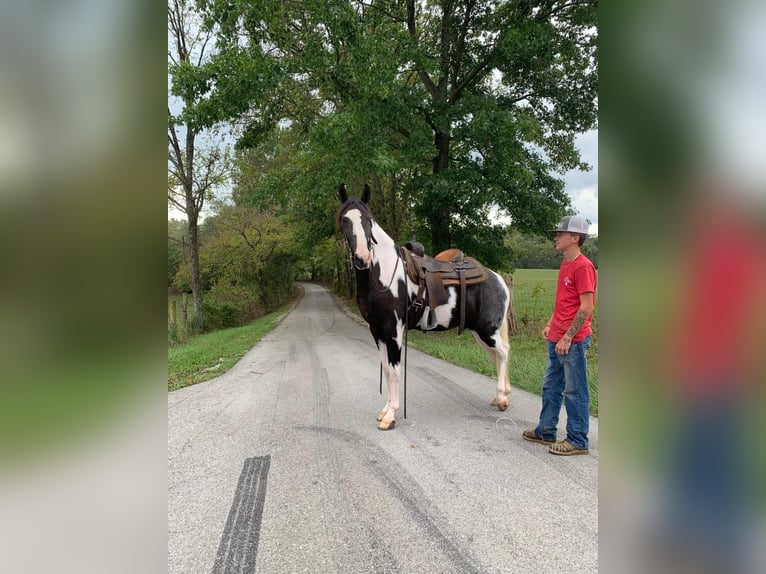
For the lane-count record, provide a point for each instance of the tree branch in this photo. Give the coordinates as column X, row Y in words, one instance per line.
column 445, row 38
column 427, row 82
column 461, row 40
column 469, row 77
column 173, row 138
column 172, row 200
column 553, row 9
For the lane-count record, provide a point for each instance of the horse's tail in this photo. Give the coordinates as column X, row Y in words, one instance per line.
column 509, row 327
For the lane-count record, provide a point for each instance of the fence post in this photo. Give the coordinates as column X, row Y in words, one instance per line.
column 172, row 314
column 513, row 326
column 185, row 316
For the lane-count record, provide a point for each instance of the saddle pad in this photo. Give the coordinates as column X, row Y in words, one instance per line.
column 437, row 282
column 474, row 272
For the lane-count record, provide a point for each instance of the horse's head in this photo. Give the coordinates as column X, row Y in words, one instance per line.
column 355, row 219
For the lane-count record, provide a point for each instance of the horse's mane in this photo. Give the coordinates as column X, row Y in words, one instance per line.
column 351, row 203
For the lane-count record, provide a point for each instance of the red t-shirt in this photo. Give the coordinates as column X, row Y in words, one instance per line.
column 722, row 294
column 575, row 278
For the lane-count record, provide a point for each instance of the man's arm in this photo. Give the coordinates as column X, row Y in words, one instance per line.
column 583, row 313
column 547, row 328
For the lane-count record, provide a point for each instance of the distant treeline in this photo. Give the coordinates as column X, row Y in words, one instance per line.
column 527, row 251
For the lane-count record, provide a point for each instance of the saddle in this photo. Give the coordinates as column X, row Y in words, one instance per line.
column 434, row 274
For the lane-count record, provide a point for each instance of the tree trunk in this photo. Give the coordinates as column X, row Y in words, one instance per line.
column 439, row 221
column 198, row 322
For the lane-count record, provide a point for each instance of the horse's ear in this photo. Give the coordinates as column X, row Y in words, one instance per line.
column 342, row 193
column 366, row 193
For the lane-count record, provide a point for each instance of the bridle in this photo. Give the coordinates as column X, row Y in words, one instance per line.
column 370, row 241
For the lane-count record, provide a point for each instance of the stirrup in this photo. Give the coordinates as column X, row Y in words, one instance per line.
column 431, row 322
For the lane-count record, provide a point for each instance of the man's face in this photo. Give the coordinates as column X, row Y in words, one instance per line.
column 564, row 239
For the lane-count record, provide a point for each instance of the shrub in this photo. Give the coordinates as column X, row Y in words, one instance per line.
column 220, row 315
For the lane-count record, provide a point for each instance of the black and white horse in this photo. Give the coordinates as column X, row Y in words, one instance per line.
column 385, row 295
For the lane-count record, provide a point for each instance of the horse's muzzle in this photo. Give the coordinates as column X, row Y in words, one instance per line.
column 360, row 263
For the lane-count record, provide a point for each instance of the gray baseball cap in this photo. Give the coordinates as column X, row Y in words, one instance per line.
column 572, row 224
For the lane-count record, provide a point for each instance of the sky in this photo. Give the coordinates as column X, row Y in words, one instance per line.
column 582, row 186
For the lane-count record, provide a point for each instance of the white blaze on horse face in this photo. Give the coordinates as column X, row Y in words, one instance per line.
column 355, row 217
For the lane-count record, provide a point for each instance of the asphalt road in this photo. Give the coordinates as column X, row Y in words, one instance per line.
column 278, row 466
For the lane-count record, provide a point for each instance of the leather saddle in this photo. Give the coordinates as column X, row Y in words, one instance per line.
column 434, row 274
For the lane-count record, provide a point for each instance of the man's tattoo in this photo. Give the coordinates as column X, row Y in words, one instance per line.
column 579, row 320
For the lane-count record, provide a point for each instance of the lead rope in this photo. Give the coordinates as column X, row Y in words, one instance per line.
column 406, row 330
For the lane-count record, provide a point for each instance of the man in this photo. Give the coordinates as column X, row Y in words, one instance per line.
column 568, row 335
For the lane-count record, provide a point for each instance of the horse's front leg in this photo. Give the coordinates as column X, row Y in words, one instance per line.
column 390, row 354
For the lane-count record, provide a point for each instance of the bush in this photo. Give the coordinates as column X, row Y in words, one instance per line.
column 220, row 315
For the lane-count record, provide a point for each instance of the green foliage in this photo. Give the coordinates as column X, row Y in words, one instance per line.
column 590, row 250
column 247, row 260
column 447, row 112
column 220, row 315
column 475, row 105
column 528, row 251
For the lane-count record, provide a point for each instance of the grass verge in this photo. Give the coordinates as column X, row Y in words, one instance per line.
column 207, row 356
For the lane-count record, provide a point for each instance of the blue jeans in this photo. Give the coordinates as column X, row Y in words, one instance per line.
column 566, row 378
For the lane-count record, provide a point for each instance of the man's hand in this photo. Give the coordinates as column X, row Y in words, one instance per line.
column 562, row 347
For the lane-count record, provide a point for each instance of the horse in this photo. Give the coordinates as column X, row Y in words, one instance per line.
column 386, row 296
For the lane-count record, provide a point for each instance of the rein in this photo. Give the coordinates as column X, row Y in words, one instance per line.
column 393, row 276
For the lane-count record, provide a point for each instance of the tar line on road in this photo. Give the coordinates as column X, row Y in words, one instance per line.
column 239, row 543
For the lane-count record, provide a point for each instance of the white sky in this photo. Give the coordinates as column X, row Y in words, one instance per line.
column 582, row 186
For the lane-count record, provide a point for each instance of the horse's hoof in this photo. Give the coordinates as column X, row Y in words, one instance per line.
column 501, row 404
column 386, row 425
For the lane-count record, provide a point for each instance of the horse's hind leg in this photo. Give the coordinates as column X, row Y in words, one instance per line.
column 499, row 355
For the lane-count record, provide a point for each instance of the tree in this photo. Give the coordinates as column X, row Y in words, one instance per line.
column 508, row 87
column 249, row 259
column 457, row 106
column 193, row 171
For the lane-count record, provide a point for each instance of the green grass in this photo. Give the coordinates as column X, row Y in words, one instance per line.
column 212, row 354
